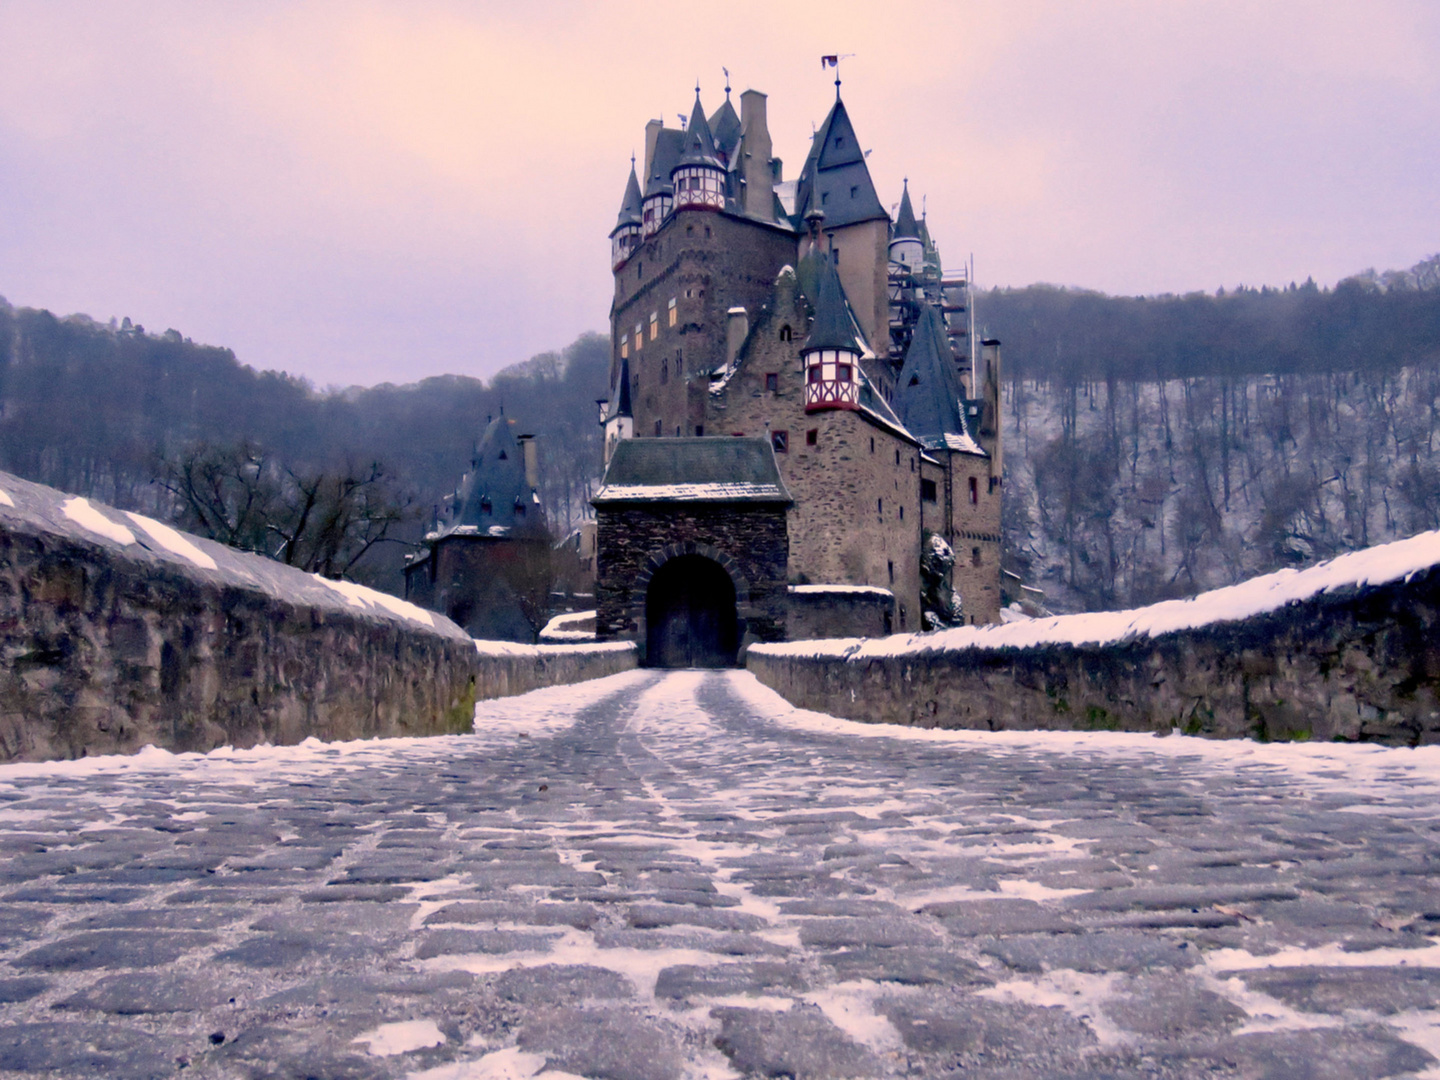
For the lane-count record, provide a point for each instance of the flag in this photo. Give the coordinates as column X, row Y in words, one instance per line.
column 829, row 61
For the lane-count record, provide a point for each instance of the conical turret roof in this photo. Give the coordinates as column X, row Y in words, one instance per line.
column 699, row 142
column 929, row 397
column 834, row 326
column 620, row 400
column 630, row 209
column 905, row 225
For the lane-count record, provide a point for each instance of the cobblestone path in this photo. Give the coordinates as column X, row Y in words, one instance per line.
column 656, row 876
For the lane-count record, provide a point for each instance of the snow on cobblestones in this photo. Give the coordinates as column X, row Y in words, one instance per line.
column 676, row 876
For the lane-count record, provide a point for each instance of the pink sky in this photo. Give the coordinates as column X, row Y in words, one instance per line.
column 365, row 192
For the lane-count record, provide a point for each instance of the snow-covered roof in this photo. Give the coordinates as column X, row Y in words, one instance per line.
column 713, row 469
column 1258, row 596
column 841, row 590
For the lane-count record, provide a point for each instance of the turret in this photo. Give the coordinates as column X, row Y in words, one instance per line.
column 626, row 235
column 906, row 246
column 659, row 194
column 698, row 179
column 618, row 420
column 831, row 354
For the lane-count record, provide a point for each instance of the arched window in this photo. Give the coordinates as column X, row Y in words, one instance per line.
column 785, row 332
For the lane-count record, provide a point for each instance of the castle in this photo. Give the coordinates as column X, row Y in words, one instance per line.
column 802, row 437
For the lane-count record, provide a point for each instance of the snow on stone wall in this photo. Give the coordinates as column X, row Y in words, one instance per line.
column 117, row 632
column 1344, row 649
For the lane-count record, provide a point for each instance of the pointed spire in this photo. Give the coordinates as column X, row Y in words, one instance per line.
column 622, row 397
column 630, row 205
column 699, row 142
column 905, row 227
column 834, row 326
column 928, row 393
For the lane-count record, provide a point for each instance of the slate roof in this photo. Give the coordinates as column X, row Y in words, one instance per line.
column 905, row 226
column 620, row 397
column 929, row 396
column 630, row 209
column 725, row 127
column 711, row 469
column 834, row 325
column 496, row 477
column 699, row 146
column 833, row 170
column 669, row 145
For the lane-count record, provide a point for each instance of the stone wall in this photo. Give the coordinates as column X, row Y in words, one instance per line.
column 1360, row 662
column 635, row 540
column 117, row 632
column 507, row 669
column 826, row 611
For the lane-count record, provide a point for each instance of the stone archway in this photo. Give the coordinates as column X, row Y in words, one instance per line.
column 692, row 598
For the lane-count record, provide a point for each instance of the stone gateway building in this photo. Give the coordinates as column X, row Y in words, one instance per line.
column 797, row 317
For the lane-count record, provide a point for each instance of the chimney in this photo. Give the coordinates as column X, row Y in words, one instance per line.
column 532, row 461
column 755, row 151
column 990, row 362
column 737, row 328
column 652, row 132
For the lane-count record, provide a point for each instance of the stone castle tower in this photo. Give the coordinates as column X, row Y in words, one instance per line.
column 797, row 312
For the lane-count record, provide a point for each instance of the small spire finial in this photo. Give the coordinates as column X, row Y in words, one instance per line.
column 697, row 87
column 727, row 82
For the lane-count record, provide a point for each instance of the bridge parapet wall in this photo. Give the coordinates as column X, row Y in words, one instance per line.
column 1349, row 649
column 117, row 632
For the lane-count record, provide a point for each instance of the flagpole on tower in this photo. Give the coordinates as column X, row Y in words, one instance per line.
column 834, row 62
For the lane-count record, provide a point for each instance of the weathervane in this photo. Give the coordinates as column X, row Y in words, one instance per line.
column 834, row 62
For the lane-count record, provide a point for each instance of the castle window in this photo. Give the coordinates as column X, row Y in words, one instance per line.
column 658, row 429
column 689, row 230
column 689, row 294
column 854, row 191
column 839, row 141
column 872, row 444
column 928, row 492
column 974, row 492
column 654, row 325
column 485, row 506
column 974, row 556
column 824, row 197
column 664, row 372
column 519, row 508
column 890, row 568
column 504, row 456
column 902, row 513
column 880, row 508
column 677, row 431
column 897, row 455
column 672, row 311
column 639, row 336
column 914, row 380
column 785, row 332
column 624, row 346
column 842, row 372
column 699, row 430
column 815, row 373
column 679, row 363
column 639, row 270
column 812, row 437
column 772, row 382
column 780, row 441
column 707, row 232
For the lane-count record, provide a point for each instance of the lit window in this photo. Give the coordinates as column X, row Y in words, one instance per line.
column 654, row 325
column 672, row 311
column 639, row 336
column 624, row 346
